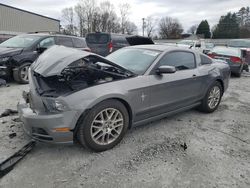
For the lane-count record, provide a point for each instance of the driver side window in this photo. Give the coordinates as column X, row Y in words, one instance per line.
column 46, row 43
column 180, row 60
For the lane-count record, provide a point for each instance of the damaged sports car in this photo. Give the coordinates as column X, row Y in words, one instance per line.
column 81, row 96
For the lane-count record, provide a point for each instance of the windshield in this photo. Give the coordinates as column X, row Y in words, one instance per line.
column 186, row 42
column 227, row 51
column 97, row 38
column 239, row 43
column 21, row 41
column 134, row 60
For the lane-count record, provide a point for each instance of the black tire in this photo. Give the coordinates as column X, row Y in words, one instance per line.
column 84, row 132
column 18, row 73
column 238, row 74
column 205, row 107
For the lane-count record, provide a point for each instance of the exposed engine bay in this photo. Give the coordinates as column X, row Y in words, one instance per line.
column 83, row 73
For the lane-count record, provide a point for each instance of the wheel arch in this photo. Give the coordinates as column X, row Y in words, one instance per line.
column 85, row 112
column 221, row 82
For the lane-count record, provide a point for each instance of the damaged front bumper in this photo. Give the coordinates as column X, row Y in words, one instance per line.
column 4, row 71
column 44, row 127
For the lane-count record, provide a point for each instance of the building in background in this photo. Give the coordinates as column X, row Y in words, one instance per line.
column 15, row 21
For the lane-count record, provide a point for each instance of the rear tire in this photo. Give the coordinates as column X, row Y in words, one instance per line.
column 238, row 74
column 212, row 98
column 20, row 74
column 104, row 126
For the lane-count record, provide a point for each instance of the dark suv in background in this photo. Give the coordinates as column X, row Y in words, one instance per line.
column 17, row 53
column 106, row 43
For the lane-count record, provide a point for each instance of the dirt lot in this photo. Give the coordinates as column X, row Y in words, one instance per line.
column 217, row 154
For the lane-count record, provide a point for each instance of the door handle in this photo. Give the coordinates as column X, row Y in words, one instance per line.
column 194, row 75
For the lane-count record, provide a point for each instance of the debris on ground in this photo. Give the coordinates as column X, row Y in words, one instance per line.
column 8, row 112
column 7, row 165
column 184, row 146
column 13, row 125
column 12, row 135
column 16, row 120
column 2, row 82
column 3, row 121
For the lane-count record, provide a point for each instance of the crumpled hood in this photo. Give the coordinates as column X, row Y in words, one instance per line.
column 10, row 51
column 55, row 59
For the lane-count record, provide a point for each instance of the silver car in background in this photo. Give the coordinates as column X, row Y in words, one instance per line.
column 82, row 96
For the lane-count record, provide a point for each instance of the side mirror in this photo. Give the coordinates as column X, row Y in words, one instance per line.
column 165, row 70
column 40, row 49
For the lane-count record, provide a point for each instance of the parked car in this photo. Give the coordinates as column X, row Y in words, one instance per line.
column 19, row 52
column 4, row 37
column 201, row 45
column 92, row 99
column 244, row 45
column 239, row 43
column 233, row 56
column 106, row 43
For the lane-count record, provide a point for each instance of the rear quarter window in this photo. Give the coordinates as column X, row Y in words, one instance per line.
column 205, row 60
column 79, row 43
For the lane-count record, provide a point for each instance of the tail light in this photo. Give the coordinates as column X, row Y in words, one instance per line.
column 211, row 55
column 87, row 49
column 110, row 47
column 235, row 60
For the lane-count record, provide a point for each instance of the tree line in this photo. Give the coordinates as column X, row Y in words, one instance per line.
column 88, row 16
column 231, row 25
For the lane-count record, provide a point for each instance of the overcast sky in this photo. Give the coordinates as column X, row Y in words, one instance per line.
column 188, row 12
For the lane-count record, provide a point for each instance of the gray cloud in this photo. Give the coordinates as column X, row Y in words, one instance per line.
column 188, row 12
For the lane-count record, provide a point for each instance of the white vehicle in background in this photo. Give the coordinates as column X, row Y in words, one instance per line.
column 200, row 45
column 244, row 45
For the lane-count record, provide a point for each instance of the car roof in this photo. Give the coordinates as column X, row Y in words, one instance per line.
column 49, row 34
column 160, row 47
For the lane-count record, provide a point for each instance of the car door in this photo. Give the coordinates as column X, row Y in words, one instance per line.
column 170, row 92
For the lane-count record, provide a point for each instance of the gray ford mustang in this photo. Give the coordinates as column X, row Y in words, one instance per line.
column 76, row 95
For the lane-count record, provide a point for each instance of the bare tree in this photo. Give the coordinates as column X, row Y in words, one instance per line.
column 89, row 7
column 130, row 28
column 91, row 17
column 80, row 12
column 170, row 28
column 192, row 29
column 150, row 25
column 124, row 11
column 68, row 18
column 108, row 16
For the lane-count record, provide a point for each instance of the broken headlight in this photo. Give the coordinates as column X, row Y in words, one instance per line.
column 78, row 63
column 55, row 105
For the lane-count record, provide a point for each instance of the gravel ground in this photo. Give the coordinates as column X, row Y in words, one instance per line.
column 217, row 154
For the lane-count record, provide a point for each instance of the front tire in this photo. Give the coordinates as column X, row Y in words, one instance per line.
column 212, row 98
column 20, row 74
column 104, row 126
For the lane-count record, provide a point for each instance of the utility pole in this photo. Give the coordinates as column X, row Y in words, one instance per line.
column 143, row 25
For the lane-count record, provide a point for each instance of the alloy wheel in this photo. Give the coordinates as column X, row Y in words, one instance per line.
column 24, row 74
column 107, row 126
column 214, row 97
